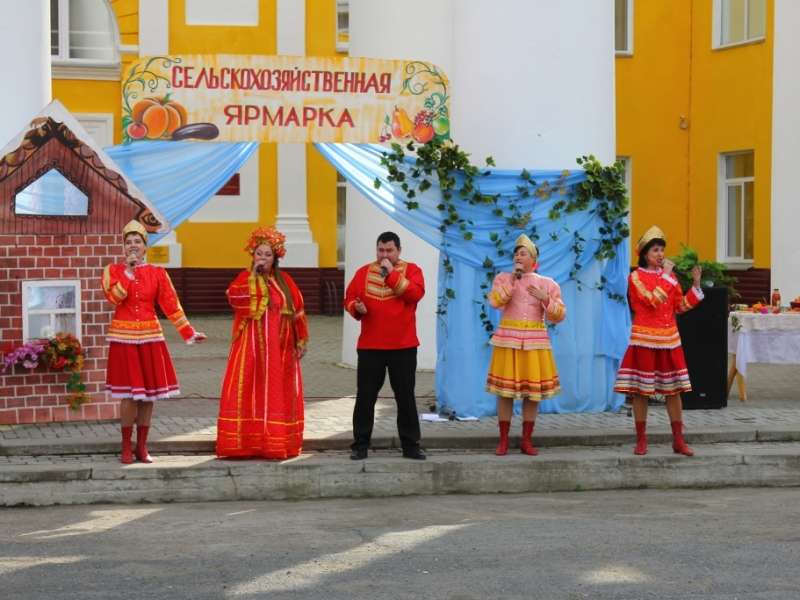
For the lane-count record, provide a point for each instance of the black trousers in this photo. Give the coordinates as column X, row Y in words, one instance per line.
column 372, row 367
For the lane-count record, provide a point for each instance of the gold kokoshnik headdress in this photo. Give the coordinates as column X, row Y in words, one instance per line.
column 134, row 227
column 526, row 242
column 654, row 233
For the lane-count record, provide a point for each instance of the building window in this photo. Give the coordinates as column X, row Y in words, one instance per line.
column 52, row 195
column 83, row 31
column 623, row 27
column 737, row 200
column 50, row 307
column 342, row 26
column 739, row 21
column 341, row 218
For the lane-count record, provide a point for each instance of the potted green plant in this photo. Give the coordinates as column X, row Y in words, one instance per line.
column 713, row 272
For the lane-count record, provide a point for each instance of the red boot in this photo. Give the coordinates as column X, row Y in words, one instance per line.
column 525, row 446
column 678, row 443
column 502, row 446
column 641, row 438
column 141, row 444
column 126, row 457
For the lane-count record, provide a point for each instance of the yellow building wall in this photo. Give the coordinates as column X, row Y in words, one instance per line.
column 679, row 105
column 220, row 244
column 320, row 175
column 731, row 110
column 652, row 95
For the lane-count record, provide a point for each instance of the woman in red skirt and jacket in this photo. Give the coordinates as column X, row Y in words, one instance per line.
column 654, row 363
column 139, row 369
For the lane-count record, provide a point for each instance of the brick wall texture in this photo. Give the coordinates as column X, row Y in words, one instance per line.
column 40, row 396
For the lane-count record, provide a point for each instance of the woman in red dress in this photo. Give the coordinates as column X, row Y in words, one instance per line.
column 139, row 369
column 654, row 363
column 261, row 404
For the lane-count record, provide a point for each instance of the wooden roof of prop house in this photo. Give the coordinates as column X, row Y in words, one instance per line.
column 56, row 141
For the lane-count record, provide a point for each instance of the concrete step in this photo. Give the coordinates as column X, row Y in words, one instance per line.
column 42, row 481
column 443, row 440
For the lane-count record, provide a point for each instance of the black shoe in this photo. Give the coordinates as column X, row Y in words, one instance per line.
column 414, row 454
column 358, row 454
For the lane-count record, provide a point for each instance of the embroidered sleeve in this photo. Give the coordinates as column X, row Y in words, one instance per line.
column 300, row 320
column 654, row 298
column 500, row 294
column 355, row 290
column 688, row 301
column 115, row 284
column 169, row 303
column 555, row 311
column 410, row 287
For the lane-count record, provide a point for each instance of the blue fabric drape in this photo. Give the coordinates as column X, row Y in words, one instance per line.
column 588, row 345
column 179, row 177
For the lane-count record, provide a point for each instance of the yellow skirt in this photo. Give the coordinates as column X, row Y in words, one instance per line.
column 523, row 374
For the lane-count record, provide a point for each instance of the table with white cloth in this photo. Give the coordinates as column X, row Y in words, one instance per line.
column 761, row 338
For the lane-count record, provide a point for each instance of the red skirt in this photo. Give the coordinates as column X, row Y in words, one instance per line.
column 141, row 371
column 650, row 372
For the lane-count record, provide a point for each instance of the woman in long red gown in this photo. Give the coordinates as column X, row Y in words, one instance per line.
column 261, row 404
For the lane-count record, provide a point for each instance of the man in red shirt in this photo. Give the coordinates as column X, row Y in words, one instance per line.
column 383, row 296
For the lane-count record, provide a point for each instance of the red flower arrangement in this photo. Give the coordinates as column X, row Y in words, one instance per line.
column 62, row 352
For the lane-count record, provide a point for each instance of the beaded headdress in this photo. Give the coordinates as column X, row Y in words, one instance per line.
column 267, row 235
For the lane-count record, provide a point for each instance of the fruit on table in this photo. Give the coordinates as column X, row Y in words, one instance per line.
column 402, row 126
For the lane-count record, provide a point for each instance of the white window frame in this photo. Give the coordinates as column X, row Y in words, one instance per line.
column 716, row 28
column 29, row 284
column 732, row 262
column 629, row 31
column 62, row 61
column 342, row 6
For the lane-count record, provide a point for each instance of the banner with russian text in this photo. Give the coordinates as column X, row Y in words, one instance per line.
column 234, row 98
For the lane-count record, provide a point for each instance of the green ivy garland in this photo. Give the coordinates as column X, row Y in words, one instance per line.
column 603, row 191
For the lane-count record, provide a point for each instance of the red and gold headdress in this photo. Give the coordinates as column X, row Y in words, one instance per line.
column 267, row 235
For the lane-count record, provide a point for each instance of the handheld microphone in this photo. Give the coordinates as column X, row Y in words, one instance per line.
column 132, row 260
column 260, row 269
column 384, row 272
column 518, row 273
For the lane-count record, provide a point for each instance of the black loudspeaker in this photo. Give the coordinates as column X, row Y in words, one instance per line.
column 704, row 336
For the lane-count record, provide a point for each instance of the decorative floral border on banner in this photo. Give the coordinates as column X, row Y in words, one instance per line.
column 234, row 98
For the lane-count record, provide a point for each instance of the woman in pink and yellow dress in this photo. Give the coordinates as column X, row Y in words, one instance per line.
column 522, row 365
column 654, row 363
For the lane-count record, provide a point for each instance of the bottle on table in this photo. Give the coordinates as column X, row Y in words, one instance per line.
column 776, row 300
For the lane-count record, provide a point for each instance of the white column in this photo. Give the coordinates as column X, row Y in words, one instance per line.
column 25, row 48
column 785, row 251
column 519, row 75
column 431, row 41
column 292, row 219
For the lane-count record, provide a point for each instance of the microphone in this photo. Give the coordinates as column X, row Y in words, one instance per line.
column 132, row 260
column 384, row 272
column 260, row 269
column 517, row 273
